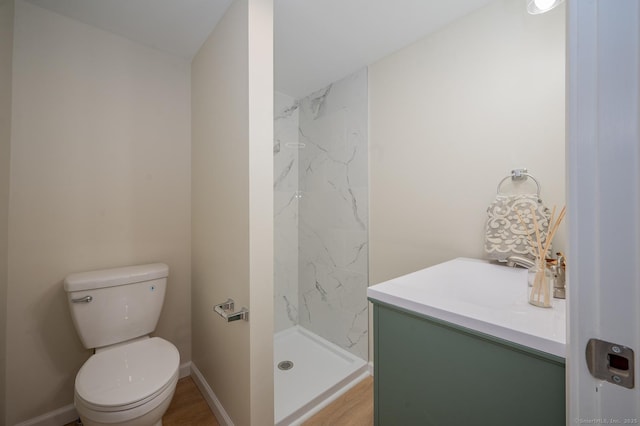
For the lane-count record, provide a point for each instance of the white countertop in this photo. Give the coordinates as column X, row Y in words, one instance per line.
column 481, row 296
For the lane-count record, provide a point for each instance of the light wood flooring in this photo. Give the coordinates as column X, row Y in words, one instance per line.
column 354, row 408
column 188, row 407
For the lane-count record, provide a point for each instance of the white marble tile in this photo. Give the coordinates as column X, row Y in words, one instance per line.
column 321, row 212
column 334, row 308
column 285, row 144
column 333, row 214
column 285, row 161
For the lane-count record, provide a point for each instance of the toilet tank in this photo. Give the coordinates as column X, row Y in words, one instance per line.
column 115, row 305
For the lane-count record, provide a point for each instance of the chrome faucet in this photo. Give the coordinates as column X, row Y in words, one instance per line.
column 521, row 261
column 559, row 283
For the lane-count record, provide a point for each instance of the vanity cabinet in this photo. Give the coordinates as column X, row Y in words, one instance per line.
column 428, row 371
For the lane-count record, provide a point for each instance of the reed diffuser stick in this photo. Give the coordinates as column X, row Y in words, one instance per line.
column 540, row 293
column 553, row 227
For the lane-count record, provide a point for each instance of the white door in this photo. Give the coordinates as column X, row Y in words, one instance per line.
column 603, row 162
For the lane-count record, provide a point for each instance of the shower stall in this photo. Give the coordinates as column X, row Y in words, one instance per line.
column 321, row 245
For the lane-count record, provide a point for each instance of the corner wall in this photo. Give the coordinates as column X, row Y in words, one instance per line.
column 232, row 210
column 6, row 62
column 450, row 116
column 100, row 177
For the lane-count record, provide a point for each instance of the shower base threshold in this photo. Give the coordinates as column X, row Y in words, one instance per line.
column 320, row 373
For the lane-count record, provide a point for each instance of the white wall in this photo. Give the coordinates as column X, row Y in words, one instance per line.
column 100, row 166
column 6, row 51
column 232, row 210
column 450, row 116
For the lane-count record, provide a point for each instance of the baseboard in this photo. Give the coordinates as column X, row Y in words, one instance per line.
column 185, row 370
column 61, row 416
column 370, row 364
column 211, row 398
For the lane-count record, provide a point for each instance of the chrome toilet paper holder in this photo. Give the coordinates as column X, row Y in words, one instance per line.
column 225, row 310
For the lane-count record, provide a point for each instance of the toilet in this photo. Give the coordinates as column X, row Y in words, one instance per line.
column 131, row 377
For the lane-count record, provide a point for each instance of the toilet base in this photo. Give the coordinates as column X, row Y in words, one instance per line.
column 152, row 418
column 129, row 417
column 79, row 423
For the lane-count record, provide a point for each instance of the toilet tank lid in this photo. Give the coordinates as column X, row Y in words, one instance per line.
column 115, row 276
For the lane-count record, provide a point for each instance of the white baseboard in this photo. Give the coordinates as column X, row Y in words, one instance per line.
column 211, row 398
column 185, row 369
column 61, row 416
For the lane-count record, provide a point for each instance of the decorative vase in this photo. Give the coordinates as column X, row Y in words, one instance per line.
column 540, row 289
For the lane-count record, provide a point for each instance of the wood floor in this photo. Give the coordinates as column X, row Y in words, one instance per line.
column 354, row 408
column 188, row 407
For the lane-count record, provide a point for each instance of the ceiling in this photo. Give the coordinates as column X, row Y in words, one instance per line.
column 316, row 41
column 320, row 41
column 178, row 27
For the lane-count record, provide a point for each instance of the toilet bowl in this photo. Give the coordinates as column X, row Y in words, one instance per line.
column 131, row 384
column 131, row 378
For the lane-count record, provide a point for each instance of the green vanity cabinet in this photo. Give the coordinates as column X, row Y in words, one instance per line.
column 431, row 372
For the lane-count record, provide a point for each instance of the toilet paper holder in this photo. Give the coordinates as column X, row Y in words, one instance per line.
column 225, row 310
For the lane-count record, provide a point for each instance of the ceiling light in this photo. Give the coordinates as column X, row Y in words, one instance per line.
column 535, row 7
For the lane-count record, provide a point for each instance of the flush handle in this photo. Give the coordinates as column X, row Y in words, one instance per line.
column 85, row 299
column 611, row 362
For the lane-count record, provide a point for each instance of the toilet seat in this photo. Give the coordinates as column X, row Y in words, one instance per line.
column 128, row 376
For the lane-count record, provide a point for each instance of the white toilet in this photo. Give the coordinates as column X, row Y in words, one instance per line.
column 131, row 377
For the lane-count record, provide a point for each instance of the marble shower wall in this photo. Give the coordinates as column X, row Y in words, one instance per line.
column 321, row 213
column 333, row 213
column 285, row 186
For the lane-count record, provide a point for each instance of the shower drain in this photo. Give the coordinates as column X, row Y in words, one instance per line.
column 285, row 365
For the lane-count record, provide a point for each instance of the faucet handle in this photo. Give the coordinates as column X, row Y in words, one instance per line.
column 521, row 261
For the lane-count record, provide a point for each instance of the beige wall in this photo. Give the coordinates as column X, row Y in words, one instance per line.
column 261, row 222
column 100, row 177
column 450, row 116
column 232, row 213
column 6, row 49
